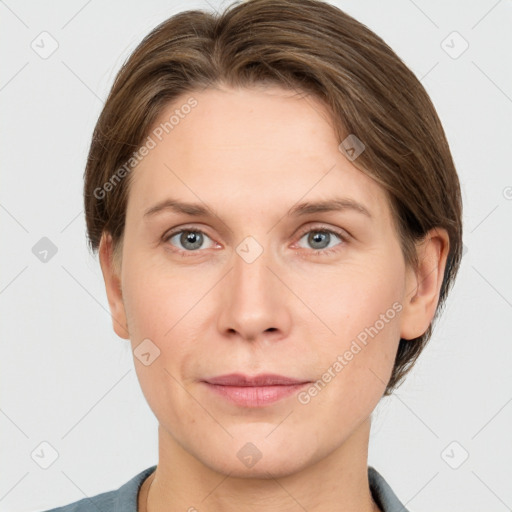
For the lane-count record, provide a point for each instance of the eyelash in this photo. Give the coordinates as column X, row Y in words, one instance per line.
column 319, row 229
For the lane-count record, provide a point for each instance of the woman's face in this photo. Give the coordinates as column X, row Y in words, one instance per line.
column 244, row 275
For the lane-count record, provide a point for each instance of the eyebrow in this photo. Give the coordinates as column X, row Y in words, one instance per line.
column 306, row 208
column 331, row 205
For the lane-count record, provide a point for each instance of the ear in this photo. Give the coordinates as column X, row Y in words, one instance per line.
column 424, row 285
column 113, row 287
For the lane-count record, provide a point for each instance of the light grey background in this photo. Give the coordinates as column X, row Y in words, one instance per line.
column 67, row 380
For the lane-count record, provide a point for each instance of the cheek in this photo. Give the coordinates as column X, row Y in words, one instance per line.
column 167, row 309
column 363, row 309
column 155, row 300
column 159, row 307
column 357, row 297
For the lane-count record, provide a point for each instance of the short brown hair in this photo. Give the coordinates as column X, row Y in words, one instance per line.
column 302, row 45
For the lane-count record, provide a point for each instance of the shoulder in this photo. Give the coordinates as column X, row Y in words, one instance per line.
column 104, row 502
column 123, row 499
column 383, row 494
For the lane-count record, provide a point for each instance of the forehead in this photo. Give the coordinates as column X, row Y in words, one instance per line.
column 251, row 149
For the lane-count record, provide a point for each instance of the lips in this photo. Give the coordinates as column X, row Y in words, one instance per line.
column 253, row 391
column 267, row 379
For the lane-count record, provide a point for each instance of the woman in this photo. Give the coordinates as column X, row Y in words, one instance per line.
column 278, row 222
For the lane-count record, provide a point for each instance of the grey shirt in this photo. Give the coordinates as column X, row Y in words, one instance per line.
column 124, row 499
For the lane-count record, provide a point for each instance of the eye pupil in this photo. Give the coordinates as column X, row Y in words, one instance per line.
column 319, row 237
column 193, row 237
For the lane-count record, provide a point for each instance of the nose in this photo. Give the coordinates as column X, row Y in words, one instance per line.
column 254, row 302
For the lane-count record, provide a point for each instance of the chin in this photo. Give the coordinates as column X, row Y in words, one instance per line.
column 259, row 456
column 270, row 466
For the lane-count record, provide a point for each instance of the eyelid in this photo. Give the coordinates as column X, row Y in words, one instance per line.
column 342, row 233
column 185, row 227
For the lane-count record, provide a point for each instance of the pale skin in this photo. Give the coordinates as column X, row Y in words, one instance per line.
column 251, row 155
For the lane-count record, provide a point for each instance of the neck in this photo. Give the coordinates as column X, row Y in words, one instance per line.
column 337, row 482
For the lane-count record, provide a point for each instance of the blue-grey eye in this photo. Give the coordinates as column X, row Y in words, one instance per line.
column 321, row 239
column 190, row 240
